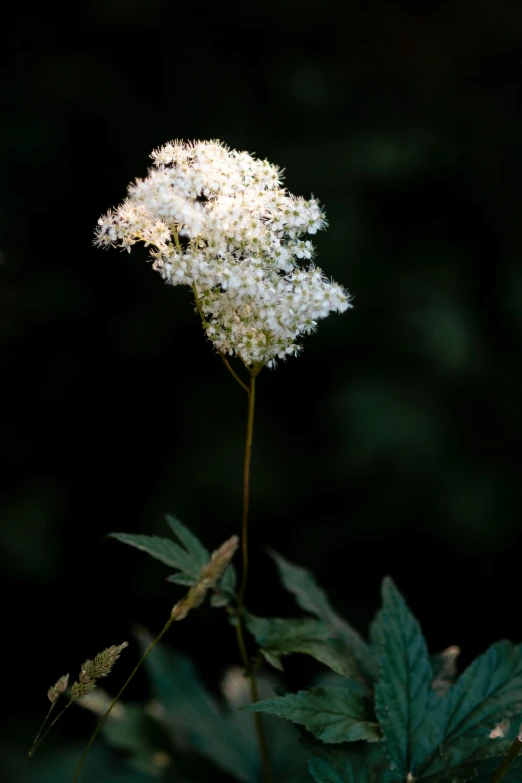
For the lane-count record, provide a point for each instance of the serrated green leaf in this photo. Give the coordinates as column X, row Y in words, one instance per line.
column 402, row 691
column 432, row 732
column 277, row 637
column 312, row 598
column 198, row 554
column 161, row 548
column 486, row 693
column 330, row 714
column 188, row 559
column 349, row 764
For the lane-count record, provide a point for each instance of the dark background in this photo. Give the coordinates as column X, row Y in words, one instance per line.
column 391, row 446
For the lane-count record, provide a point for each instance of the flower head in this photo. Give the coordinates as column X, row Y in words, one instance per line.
column 59, row 687
column 91, row 671
column 219, row 221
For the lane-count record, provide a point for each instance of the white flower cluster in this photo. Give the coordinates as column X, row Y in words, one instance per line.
column 219, row 221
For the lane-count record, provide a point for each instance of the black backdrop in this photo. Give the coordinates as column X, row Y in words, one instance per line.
column 390, row 446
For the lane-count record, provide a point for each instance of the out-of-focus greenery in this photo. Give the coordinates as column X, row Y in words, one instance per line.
column 397, row 432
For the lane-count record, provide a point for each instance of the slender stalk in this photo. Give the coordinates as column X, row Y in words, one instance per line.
column 42, row 735
column 224, row 359
column 36, row 740
column 507, row 760
column 246, row 490
column 118, row 696
column 261, row 738
column 232, row 372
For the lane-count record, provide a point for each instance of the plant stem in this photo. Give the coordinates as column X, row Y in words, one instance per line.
column 36, row 740
column 232, row 372
column 261, row 739
column 42, row 735
column 118, row 696
column 246, row 490
column 507, row 760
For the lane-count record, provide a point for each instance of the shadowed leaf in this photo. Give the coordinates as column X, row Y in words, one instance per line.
column 402, row 691
column 330, row 714
column 312, row 598
column 277, row 637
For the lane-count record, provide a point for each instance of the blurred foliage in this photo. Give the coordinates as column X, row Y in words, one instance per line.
column 183, row 733
column 398, row 430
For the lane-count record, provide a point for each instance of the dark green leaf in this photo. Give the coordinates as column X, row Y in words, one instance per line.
column 465, row 760
column 486, row 693
column 312, row 598
column 277, row 637
column 189, row 558
column 161, row 548
column 402, row 691
column 198, row 554
column 330, row 714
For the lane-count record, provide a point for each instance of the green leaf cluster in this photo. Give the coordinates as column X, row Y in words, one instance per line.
column 388, row 711
column 424, row 723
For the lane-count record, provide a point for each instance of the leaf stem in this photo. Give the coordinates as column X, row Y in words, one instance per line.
column 507, row 760
column 118, row 696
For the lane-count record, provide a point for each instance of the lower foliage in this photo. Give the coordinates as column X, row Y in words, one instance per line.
column 386, row 710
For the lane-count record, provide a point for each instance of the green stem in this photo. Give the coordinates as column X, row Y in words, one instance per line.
column 261, row 738
column 507, row 760
column 246, row 490
column 254, row 696
column 232, row 371
column 40, row 737
column 118, row 696
column 36, row 740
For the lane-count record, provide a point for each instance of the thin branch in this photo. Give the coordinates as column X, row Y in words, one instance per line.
column 222, row 355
